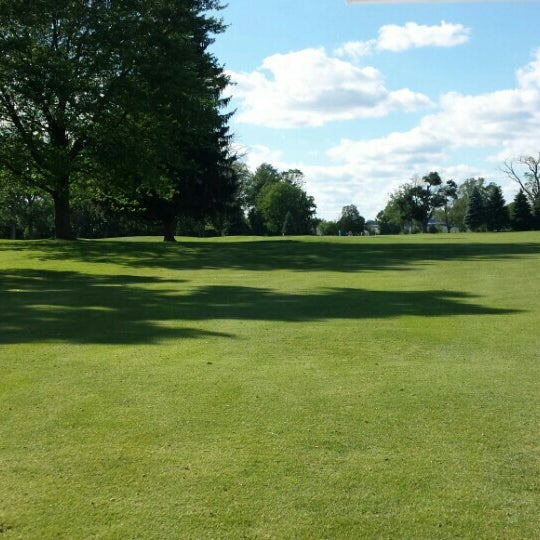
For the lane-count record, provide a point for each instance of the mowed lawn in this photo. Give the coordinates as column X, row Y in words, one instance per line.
column 377, row 387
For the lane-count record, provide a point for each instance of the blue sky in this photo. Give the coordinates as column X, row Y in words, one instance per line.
column 363, row 97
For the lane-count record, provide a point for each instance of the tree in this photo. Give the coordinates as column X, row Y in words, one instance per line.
column 351, row 221
column 430, row 196
column 205, row 189
column 328, row 228
column 275, row 201
column 253, row 184
column 528, row 179
column 417, row 200
column 388, row 221
column 496, row 211
column 286, row 209
column 447, row 194
column 475, row 218
column 458, row 211
column 536, row 214
column 521, row 217
column 106, row 90
column 24, row 212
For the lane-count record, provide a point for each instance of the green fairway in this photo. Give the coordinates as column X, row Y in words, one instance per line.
column 353, row 387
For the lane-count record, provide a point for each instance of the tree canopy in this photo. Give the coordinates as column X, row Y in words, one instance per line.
column 116, row 94
column 351, row 221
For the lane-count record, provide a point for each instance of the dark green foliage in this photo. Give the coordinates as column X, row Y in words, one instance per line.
column 521, row 218
column 351, row 221
column 497, row 216
column 447, row 196
column 476, row 216
column 24, row 212
column 94, row 220
column 252, row 184
column 413, row 204
column 275, row 201
column 536, row 213
column 328, row 228
column 458, row 212
column 108, row 91
column 286, row 209
column 388, row 224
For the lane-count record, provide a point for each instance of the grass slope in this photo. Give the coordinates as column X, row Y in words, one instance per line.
column 276, row 388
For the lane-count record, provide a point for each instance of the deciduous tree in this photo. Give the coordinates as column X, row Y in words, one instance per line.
column 286, row 209
column 526, row 173
column 100, row 90
column 351, row 221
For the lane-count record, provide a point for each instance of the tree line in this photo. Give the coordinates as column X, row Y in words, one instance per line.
column 429, row 204
column 272, row 202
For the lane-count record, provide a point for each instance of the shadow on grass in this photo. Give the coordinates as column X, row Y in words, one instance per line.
column 270, row 254
column 80, row 308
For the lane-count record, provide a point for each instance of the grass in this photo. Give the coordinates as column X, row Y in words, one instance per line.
column 271, row 388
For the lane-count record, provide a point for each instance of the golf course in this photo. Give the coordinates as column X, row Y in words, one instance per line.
column 271, row 387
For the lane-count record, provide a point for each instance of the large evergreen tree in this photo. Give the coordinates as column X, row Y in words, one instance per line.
column 521, row 216
column 536, row 213
column 475, row 218
column 106, row 90
column 496, row 211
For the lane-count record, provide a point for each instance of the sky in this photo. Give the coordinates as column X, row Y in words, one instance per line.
column 362, row 97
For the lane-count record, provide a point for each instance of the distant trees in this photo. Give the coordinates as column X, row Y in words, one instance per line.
column 24, row 212
column 473, row 205
column 413, row 205
column 286, row 209
column 351, row 221
column 521, row 217
column 476, row 214
column 487, row 209
column 276, row 203
column 328, row 228
column 448, row 195
column 496, row 211
column 526, row 173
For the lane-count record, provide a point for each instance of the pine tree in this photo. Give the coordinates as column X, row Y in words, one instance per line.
column 521, row 218
column 536, row 213
column 497, row 216
column 475, row 218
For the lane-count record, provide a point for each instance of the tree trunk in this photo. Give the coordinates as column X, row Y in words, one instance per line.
column 62, row 217
column 169, row 229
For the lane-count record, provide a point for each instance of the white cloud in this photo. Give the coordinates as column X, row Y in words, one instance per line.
column 396, row 38
column 356, row 49
column 504, row 124
column 400, row 38
column 310, row 88
column 492, row 120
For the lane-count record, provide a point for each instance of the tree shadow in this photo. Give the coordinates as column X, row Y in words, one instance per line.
column 81, row 308
column 272, row 254
column 41, row 305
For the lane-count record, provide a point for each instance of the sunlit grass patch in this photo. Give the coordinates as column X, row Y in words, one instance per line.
column 274, row 388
